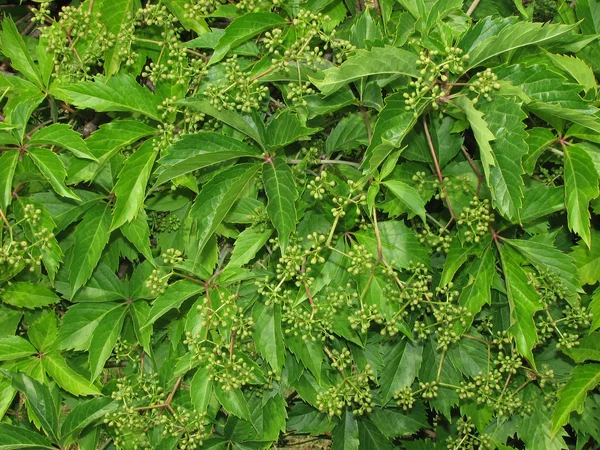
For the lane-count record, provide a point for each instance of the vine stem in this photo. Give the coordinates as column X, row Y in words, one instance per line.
column 378, row 237
column 474, row 167
column 438, row 170
column 472, row 7
column 439, row 371
column 327, row 161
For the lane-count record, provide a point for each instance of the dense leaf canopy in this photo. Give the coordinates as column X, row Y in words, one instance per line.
column 345, row 224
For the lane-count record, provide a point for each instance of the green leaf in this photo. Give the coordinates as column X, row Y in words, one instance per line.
column 218, row 196
column 516, row 35
column 541, row 200
column 15, row 347
column 477, row 291
column 91, row 236
column 587, row 259
column 13, row 438
column 547, row 258
column 196, row 151
column 377, row 61
column 104, row 339
column 15, row 48
column 138, row 233
column 281, row 191
column 394, row 422
column 400, row 244
column 62, row 135
column 120, row 92
column 110, row 137
column 247, row 245
column 8, row 164
column 392, row 127
column 242, row 29
column 535, row 431
column 345, row 434
column 79, row 323
column 286, row 128
column 242, row 123
column 233, row 401
column 53, row 170
column 523, row 300
column 190, row 21
column 268, row 334
column 581, row 186
column 66, row 211
column 201, row 389
column 173, row 297
column 409, row 198
column 481, row 131
column 588, row 347
column 43, row 331
column 66, row 377
column 572, row 395
column 23, row 294
column 115, row 15
column 456, row 257
column 538, row 140
column 577, row 68
column 349, row 133
column 86, row 413
column 40, row 401
column 370, row 437
column 401, row 365
column 130, row 190
column 505, row 122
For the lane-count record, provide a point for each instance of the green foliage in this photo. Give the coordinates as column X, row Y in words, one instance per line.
column 259, row 224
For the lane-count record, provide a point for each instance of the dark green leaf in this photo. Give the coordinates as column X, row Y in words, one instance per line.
column 282, row 194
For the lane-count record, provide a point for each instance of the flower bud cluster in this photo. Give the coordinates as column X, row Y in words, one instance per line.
column 476, row 218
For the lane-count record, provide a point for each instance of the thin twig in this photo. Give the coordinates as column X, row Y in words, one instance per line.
column 438, row 170
column 377, row 236
column 367, row 121
column 472, row 7
column 473, row 166
column 327, row 161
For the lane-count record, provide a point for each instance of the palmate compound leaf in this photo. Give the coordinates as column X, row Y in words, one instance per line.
column 572, row 395
column 282, row 194
column 524, row 302
column 581, row 186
